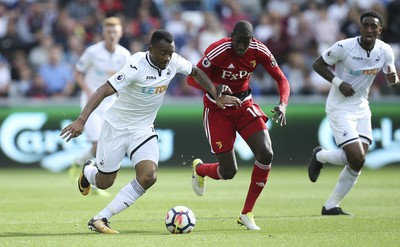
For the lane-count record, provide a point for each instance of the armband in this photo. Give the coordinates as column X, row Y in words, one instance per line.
column 336, row 81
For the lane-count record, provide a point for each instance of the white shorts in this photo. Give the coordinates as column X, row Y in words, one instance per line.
column 349, row 129
column 114, row 144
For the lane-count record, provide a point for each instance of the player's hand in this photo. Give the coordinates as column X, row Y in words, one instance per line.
column 228, row 100
column 279, row 114
column 74, row 129
column 223, row 89
column 391, row 78
column 346, row 89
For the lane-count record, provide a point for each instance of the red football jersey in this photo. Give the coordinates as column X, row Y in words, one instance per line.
column 223, row 66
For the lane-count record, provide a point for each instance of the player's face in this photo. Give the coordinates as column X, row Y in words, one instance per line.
column 161, row 54
column 370, row 29
column 240, row 44
column 112, row 34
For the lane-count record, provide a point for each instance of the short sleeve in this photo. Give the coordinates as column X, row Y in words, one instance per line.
column 333, row 54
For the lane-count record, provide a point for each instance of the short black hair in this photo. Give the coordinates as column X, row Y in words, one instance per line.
column 373, row 14
column 243, row 28
column 159, row 35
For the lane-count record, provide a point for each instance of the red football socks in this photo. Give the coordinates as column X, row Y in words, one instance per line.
column 209, row 170
column 259, row 178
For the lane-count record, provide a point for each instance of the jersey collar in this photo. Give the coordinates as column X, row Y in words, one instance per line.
column 152, row 64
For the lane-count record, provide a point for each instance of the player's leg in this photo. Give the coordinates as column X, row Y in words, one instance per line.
column 221, row 136
column 254, row 132
column 320, row 156
column 76, row 166
column 92, row 131
column 144, row 156
column 347, row 179
column 260, row 144
column 355, row 147
column 259, row 141
column 111, row 150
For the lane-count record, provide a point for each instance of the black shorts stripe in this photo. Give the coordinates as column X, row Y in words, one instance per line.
column 350, row 140
column 107, row 172
column 134, row 150
column 364, row 137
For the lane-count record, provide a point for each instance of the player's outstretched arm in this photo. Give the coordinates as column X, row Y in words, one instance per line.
column 76, row 127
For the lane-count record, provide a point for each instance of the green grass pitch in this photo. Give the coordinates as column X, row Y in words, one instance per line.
column 39, row 208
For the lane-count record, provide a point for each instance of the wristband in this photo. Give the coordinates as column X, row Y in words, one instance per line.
column 336, row 81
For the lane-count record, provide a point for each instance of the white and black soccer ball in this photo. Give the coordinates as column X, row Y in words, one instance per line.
column 180, row 219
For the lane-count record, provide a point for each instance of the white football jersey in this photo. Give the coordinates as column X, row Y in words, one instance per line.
column 141, row 88
column 98, row 64
column 357, row 67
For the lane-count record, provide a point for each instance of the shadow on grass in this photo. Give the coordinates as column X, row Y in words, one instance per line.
column 41, row 234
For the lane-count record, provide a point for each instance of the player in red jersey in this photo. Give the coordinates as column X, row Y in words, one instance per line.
column 230, row 62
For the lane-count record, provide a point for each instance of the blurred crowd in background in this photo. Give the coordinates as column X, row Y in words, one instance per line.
column 41, row 40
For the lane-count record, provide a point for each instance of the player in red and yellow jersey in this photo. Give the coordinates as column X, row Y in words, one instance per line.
column 230, row 62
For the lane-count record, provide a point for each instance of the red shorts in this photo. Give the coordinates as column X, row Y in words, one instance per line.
column 221, row 125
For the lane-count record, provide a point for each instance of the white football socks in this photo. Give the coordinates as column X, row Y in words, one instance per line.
column 90, row 174
column 334, row 157
column 125, row 197
column 347, row 179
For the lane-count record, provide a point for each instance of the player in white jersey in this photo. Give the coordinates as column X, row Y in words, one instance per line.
column 357, row 61
column 128, row 129
column 97, row 63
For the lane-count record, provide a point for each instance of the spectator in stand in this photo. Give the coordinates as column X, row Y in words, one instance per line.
column 177, row 27
column 57, row 75
column 37, row 88
column 11, row 42
column 64, row 26
column 253, row 8
column 5, row 77
column 80, row 10
column 31, row 21
column 74, row 50
column 22, row 85
column 326, row 31
column 39, row 54
column 338, row 11
column 295, row 71
column 392, row 34
column 211, row 32
column 351, row 25
column 233, row 14
column 3, row 19
column 19, row 60
column 110, row 7
column 264, row 30
column 145, row 23
column 278, row 43
column 299, row 31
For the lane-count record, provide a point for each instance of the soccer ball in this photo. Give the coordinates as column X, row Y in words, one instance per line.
column 180, row 219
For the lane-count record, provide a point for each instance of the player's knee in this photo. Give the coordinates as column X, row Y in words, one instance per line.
column 356, row 161
column 104, row 183
column 227, row 173
column 265, row 157
column 147, row 179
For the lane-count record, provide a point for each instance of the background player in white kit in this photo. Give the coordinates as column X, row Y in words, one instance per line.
column 357, row 61
column 128, row 129
column 98, row 63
